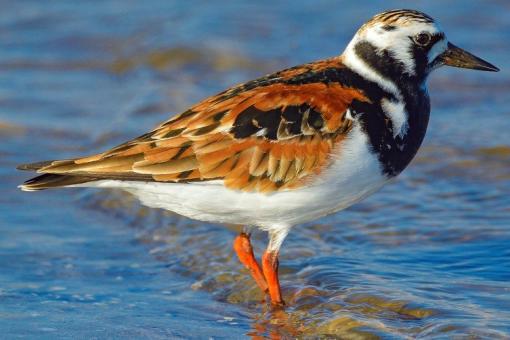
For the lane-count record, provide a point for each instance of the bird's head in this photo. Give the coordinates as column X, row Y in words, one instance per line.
column 406, row 44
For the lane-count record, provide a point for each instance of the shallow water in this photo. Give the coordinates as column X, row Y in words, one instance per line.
column 427, row 257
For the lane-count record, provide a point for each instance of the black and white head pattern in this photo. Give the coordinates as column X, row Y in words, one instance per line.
column 398, row 45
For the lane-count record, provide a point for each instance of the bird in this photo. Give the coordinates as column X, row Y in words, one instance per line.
column 286, row 148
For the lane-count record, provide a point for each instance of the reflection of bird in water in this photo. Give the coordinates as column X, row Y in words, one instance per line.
column 286, row 148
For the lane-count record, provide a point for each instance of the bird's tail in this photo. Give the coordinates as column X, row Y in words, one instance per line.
column 48, row 181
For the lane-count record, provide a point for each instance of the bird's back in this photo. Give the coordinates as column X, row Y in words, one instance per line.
column 274, row 133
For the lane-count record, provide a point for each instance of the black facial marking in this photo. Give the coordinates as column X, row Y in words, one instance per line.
column 381, row 61
column 420, row 58
column 420, row 55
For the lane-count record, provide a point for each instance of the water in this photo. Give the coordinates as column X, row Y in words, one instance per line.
column 426, row 257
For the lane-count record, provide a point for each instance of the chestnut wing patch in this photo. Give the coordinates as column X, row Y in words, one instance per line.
column 258, row 164
column 271, row 135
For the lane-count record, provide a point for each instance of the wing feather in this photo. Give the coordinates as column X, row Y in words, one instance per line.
column 271, row 134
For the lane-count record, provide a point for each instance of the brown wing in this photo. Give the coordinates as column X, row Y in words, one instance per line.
column 269, row 134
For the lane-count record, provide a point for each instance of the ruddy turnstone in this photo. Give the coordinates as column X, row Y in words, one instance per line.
column 286, row 148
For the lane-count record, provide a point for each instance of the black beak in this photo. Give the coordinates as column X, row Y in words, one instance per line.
column 457, row 57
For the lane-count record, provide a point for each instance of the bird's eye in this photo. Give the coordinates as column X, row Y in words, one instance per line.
column 423, row 38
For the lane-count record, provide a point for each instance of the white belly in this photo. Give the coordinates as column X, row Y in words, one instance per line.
column 353, row 175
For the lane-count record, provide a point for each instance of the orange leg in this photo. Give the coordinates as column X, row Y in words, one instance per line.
column 270, row 268
column 244, row 250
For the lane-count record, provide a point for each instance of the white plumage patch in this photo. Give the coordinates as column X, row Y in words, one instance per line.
column 438, row 48
column 397, row 113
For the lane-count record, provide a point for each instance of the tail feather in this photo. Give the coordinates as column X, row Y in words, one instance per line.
column 62, row 173
column 48, row 181
column 34, row 166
